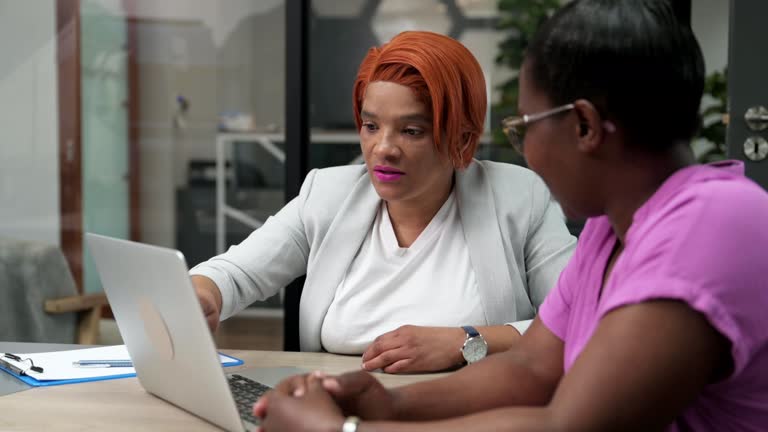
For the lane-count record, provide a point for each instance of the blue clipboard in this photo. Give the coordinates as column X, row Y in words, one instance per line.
column 232, row 361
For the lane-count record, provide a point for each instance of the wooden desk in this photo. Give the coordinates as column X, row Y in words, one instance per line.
column 123, row 405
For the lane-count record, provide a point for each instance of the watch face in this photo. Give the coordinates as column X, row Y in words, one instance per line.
column 474, row 349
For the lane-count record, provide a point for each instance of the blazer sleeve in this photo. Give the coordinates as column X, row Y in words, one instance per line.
column 548, row 245
column 269, row 259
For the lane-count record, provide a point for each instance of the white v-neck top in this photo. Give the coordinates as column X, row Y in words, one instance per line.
column 430, row 283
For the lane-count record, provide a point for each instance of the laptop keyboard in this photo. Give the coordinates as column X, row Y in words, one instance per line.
column 246, row 392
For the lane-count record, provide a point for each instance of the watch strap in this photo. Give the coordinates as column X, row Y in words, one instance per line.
column 471, row 331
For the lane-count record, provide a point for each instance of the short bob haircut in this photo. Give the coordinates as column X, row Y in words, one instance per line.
column 633, row 59
column 444, row 76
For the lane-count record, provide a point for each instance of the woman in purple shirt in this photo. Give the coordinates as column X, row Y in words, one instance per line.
column 660, row 319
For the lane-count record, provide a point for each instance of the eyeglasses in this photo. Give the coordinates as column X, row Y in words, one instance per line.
column 514, row 127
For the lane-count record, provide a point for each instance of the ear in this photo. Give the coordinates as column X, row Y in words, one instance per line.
column 590, row 126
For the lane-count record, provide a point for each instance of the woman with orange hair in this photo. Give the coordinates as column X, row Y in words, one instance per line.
column 419, row 258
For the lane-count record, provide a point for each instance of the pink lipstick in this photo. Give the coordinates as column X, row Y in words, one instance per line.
column 387, row 174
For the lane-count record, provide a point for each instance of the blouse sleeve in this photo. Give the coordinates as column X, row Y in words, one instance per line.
column 269, row 259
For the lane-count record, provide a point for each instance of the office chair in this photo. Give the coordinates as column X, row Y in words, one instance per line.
column 291, row 314
column 38, row 297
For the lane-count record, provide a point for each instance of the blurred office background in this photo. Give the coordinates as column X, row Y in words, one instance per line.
column 112, row 112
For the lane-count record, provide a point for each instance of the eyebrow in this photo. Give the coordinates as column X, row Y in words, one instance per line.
column 407, row 117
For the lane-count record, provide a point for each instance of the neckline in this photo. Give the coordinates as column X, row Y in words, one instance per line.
column 433, row 228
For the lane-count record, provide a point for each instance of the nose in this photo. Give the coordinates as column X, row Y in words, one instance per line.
column 386, row 146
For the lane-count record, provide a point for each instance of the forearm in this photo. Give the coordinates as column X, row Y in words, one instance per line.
column 501, row 380
column 510, row 419
column 499, row 338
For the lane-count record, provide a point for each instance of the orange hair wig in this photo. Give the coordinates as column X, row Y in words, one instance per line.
column 444, row 76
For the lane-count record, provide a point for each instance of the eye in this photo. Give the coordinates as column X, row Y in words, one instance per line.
column 413, row 132
column 370, row 127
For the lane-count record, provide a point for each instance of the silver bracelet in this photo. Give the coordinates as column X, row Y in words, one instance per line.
column 350, row 424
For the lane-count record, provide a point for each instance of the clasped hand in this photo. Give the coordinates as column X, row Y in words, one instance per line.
column 323, row 402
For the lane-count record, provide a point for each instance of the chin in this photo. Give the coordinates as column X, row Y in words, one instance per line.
column 579, row 215
column 385, row 191
column 575, row 217
column 570, row 211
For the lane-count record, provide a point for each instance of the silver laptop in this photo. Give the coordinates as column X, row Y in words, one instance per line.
column 163, row 327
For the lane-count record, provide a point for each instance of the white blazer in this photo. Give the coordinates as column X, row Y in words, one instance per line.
column 515, row 234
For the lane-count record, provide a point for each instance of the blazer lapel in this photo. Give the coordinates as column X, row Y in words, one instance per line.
column 486, row 249
column 339, row 247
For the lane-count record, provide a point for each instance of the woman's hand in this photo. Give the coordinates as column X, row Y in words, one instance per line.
column 360, row 394
column 210, row 300
column 356, row 393
column 415, row 349
column 296, row 385
column 314, row 410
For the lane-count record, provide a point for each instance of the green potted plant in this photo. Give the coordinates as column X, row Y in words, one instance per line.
column 518, row 20
column 714, row 107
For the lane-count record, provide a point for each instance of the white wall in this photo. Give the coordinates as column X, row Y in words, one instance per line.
column 709, row 19
column 29, row 174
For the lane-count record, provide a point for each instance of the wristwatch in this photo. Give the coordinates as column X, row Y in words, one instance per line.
column 350, row 424
column 475, row 348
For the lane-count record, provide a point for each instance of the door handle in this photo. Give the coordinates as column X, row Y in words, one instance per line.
column 756, row 148
column 757, row 118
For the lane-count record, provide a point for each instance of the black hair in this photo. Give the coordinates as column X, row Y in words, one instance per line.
column 634, row 60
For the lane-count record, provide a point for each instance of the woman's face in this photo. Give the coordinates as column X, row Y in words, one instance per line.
column 397, row 144
column 550, row 146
